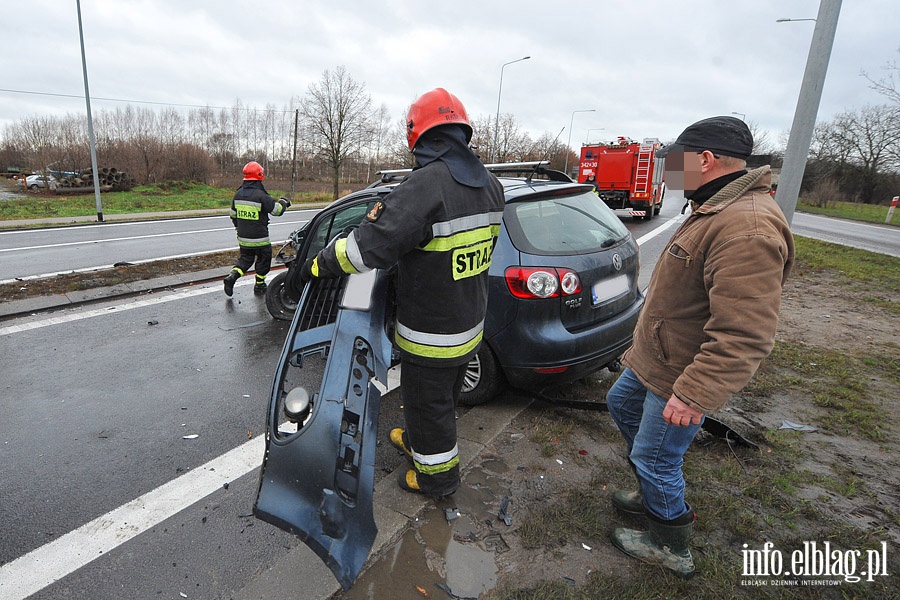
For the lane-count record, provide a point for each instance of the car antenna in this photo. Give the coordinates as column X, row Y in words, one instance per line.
column 546, row 157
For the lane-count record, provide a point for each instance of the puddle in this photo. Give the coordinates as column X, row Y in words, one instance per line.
column 450, row 551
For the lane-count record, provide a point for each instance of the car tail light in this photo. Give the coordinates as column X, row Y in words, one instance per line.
column 542, row 282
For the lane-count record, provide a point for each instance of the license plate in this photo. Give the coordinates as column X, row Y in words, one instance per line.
column 609, row 289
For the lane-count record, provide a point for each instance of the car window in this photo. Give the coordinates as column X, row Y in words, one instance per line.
column 563, row 225
column 343, row 220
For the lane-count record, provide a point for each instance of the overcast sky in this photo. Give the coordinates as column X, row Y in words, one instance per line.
column 647, row 68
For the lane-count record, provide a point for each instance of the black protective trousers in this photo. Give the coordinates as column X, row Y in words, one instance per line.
column 429, row 398
column 261, row 255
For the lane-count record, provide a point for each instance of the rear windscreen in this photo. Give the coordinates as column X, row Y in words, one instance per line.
column 577, row 224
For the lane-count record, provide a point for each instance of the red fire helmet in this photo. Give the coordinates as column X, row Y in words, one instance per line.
column 437, row 107
column 254, row 170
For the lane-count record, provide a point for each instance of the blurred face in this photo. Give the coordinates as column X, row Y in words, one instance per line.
column 683, row 171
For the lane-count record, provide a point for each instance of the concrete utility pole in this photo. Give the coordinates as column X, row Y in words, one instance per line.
column 90, row 121
column 797, row 152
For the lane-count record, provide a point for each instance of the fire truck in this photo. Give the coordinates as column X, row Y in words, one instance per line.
column 626, row 175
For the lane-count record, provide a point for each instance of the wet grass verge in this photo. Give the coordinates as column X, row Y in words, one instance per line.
column 129, row 273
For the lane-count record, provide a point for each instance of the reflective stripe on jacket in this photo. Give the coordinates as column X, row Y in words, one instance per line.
column 250, row 210
column 441, row 234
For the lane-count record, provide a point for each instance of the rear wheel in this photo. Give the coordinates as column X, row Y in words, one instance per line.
column 484, row 379
column 279, row 302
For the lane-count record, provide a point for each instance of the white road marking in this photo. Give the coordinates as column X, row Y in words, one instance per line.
column 670, row 223
column 51, row 562
column 119, row 239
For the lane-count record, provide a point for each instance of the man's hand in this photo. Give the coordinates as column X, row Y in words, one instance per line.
column 678, row 413
column 286, row 203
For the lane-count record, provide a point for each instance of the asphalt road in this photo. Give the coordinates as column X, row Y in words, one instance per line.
column 36, row 252
column 884, row 239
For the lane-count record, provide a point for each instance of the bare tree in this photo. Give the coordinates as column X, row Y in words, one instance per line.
column 381, row 125
column 336, row 113
column 857, row 148
column 761, row 143
column 888, row 86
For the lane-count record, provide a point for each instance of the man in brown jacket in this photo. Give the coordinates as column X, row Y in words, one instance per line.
column 708, row 321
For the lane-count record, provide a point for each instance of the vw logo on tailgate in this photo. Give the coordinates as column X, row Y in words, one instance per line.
column 617, row 261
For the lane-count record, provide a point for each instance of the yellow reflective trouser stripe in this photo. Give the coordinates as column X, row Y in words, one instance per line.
column 253, row 242
column 439, row 351
column 466, row 238
column 435, row 469
column 430, row 464
column 340, row 251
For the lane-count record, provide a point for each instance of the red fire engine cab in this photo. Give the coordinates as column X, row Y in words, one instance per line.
column 626, row 175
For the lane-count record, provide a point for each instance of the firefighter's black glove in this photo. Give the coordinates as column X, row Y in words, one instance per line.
column 285, row 203
column 306, row 270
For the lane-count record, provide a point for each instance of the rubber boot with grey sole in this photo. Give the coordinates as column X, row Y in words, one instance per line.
column 666, row 544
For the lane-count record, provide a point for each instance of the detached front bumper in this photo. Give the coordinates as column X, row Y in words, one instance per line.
column 317, row 477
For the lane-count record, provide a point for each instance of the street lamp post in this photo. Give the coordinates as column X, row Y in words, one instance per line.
column 497, row 120
column 569, row 143
column 588, row 136
column 797, row 151
column 741, row 115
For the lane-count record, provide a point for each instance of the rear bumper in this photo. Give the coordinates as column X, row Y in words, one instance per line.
column 521, row 351
column 631, row 212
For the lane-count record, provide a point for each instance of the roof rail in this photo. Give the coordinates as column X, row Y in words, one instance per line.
column 531, row 167
column 515, row 166
column 535, row 167
column 389, row 176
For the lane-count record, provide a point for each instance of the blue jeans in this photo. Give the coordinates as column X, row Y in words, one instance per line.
column 655, row 448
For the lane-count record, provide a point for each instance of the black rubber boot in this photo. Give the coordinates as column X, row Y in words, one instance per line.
column 630, row 503
column 229, row 283
column 666, row 543
column 260, row 289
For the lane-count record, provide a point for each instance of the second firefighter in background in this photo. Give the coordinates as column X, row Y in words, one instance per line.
column 439, row 226
column 250, row 210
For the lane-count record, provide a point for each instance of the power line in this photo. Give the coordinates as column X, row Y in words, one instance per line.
column 138, row 101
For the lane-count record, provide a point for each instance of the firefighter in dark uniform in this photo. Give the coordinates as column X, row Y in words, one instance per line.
column 250, row 210
column 439, row 226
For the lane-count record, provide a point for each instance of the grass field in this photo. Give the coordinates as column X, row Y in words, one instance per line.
column 870, row 213
column 175, row 196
